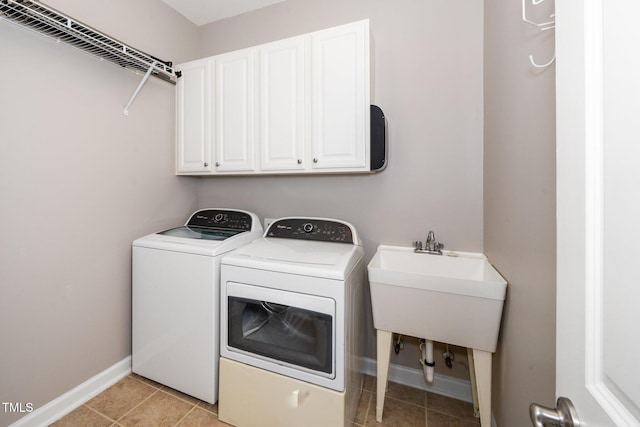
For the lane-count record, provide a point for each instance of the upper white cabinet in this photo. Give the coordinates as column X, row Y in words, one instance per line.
column 340, row 97
column 193, row 124
column 299, row 105
column 235, row 111
column 282, row 105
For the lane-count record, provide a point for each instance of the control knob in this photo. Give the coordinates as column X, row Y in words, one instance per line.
column 307, row 227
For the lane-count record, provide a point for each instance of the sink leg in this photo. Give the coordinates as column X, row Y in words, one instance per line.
column 384, row 339
column 482, row 369
column 474, row 384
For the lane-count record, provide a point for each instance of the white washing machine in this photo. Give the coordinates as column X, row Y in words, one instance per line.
column 176, row 299
column 292, row 326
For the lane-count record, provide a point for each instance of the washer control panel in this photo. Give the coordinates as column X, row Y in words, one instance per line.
column 323, row 230
column 221, row 219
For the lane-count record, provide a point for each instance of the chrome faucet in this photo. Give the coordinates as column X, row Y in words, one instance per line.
column 431, row 246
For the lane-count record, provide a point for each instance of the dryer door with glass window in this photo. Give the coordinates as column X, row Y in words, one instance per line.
column 281, row 327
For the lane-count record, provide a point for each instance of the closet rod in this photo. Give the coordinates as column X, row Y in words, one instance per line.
column 43, row 19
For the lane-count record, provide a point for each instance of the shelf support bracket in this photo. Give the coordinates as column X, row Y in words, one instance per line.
column 135, row 93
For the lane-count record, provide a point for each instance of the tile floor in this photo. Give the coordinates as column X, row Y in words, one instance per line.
column 137, row 401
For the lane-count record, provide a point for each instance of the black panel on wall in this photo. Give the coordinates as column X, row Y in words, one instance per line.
column 378, row 139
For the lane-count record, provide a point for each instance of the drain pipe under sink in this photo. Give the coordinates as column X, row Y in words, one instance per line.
column 427, row 362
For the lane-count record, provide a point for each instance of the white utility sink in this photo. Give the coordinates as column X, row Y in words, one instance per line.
column 454, row 298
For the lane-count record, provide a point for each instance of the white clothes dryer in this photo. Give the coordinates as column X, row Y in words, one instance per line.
column 292, row 326
column 176, row 299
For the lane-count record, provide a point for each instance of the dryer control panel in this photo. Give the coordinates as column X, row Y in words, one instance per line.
column 221, row 219
column 323, row 230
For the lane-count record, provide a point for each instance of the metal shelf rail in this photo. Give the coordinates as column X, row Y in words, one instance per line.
column 43, row 19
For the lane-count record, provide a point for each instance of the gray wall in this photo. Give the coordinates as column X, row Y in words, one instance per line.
column 78, row 182
column 519, row 206
column 427, row 78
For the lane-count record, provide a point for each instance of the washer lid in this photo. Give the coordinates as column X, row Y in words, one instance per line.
column 309, row 258
column 201, row 233
column 295, row 251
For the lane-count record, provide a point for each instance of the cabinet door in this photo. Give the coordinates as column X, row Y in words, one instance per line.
column 193, row 109
column 340, row 97
column 235, row 111
column 282, row 98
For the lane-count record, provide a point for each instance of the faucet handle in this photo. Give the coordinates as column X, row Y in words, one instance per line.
column 431, row 237
column 418, row 244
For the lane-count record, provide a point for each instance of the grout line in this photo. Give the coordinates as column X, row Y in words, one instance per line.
column 185, row 415
column 426, row 417
column 366, row 412
column 132, row 409
column 463, row 419
column 165, row 388
column 97, row 412
column 404, row 401
column 201, row 404
column 146, row 381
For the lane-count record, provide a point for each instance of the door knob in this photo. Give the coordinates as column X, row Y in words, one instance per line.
column 563, row 415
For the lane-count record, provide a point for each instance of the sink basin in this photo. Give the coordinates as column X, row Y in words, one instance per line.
column 454, row 298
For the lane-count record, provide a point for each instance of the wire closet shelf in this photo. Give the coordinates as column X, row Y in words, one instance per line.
column 45, row 20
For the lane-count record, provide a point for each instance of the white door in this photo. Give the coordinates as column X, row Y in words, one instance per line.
column 598, row 195
column 282, row 102
column 193, row 109
column 340, row 96
column 235, row 110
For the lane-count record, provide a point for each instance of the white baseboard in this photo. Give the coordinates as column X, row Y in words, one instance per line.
column 75, row 397
column 442, row 384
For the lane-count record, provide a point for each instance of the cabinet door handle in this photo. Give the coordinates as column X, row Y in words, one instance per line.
column 206, row 164
column 217, row 164
column 299, row 161
column 297, row 397
column 315, row 160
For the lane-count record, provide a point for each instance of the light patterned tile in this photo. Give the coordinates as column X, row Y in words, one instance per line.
column 83, row 416
column 438, row 419
column 125, row 402
column 450, row 406
column 198, row 417
column 406, row 394
column 209, row 407
column 180, row 395
column 160, row 410
column 369, row 383
column 146, row 380
column 397, row 414
column 120, row 398
column 363, row 407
